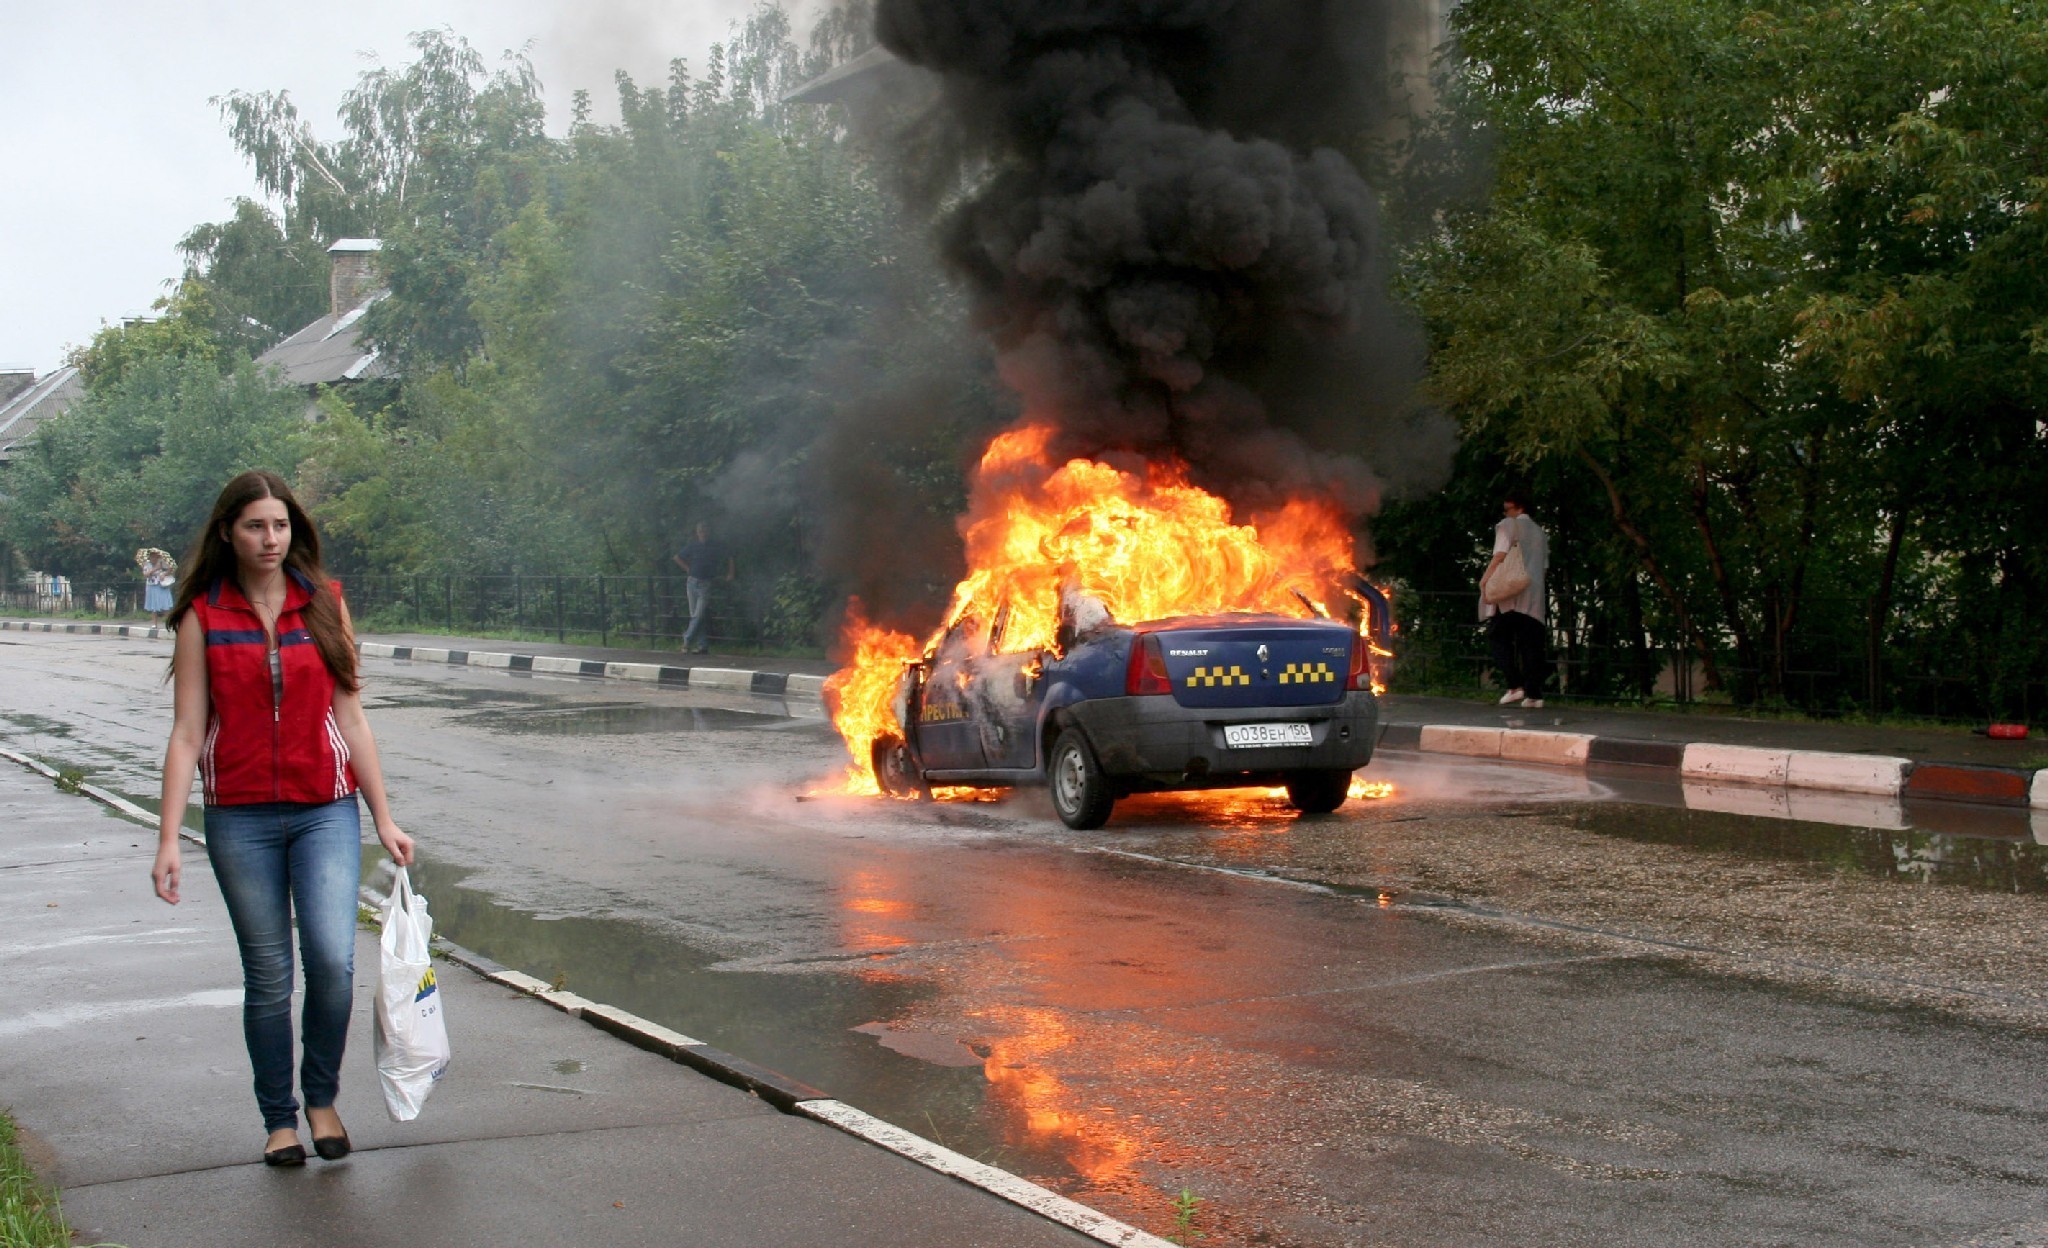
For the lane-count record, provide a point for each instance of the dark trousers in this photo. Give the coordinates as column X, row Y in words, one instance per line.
column 1518, row 644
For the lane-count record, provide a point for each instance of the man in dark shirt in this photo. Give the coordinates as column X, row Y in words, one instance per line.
column 702, row 562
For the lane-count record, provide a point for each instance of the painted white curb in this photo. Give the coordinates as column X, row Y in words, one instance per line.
column 376, row 650
column 1559, row 749
column 640, row 1026
column 1847, row 773
column 2039, row 794
column 565, row 1001
column 518, row 979
column 429, row 654
column 1739, row 764
column 557, row 664
column 633, row 671
column 1458, row 739
column 1047, row 1204
column 98, row 794
column 802, row 685
column 486, row 658
column 721, row 678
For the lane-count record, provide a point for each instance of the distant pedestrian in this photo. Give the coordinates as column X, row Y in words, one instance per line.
column 1515, row 620
column 267, row 711
column 702, row 561
column 159, row 573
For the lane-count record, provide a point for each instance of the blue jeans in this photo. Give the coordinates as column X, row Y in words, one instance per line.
column 699, row 592
column 271, row 859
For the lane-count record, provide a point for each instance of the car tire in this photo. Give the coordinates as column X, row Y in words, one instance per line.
column 895, row 771
column 1081, row 795
column 1317, row 792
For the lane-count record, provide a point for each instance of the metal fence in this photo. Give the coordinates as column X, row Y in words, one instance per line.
column 1938, row 659
column 646, row 611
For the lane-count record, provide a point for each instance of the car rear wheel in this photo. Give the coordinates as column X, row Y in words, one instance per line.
column 894, row 769
column 1317, row 792
column 1080, row 792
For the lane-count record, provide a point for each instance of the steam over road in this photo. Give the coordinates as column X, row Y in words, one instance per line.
column 1501, row 1007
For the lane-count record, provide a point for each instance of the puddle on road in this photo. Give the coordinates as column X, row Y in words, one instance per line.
column 456, row 697
column 36, row 724
column 1990, row 856
column 818, row 1028
column 612, row 718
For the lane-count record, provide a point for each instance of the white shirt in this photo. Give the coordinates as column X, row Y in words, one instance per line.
column 1535, row 555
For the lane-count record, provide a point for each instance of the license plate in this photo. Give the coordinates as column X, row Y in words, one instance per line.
column 1248, row 736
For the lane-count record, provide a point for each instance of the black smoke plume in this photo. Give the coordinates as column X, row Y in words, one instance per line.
column 1163, row 241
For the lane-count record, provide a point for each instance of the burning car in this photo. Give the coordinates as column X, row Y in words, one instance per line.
column 1196, row 702
column 1121, row 630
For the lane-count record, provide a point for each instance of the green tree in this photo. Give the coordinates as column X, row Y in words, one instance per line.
column 140, row 460
column 1742, row 276
column 184, row 329
column 435, row 158
column 262, row 283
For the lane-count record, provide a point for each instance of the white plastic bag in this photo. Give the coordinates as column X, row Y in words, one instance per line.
column 412, row 1033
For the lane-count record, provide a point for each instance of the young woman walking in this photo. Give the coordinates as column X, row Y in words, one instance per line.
column 267, row 712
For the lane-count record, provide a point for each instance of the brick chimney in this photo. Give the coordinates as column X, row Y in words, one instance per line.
column 354, row 275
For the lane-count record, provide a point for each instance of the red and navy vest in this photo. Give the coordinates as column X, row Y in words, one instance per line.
column 260, row 748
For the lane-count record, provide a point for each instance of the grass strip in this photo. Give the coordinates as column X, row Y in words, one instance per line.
column 30, row 1216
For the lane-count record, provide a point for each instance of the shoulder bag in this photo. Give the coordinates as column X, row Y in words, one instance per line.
column 1509, row 579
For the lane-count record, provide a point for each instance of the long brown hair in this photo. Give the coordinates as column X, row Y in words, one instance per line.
column 212, row 560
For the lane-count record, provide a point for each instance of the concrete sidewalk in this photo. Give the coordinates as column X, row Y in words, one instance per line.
column 121, row 1058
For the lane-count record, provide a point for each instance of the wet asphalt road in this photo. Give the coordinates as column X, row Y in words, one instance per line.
column 1505, row 1006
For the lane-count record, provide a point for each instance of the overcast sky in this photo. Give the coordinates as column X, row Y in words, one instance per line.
column 112, row 152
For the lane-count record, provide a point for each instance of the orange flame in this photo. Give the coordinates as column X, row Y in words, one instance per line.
column 860, row 694
column 1143, row 540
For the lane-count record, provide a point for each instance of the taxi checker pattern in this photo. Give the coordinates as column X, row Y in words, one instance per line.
column 1307, row 674
column 1205, row 676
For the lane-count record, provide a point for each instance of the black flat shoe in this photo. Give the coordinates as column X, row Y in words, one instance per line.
column 289, row 1155
column 330, row 1148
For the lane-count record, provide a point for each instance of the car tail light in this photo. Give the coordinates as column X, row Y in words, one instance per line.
column 1147, row 672
column 1361, row 665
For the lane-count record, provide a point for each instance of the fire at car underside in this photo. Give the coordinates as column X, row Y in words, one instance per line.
column 1118, row 631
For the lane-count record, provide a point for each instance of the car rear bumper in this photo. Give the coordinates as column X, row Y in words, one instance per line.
column 1157, row 742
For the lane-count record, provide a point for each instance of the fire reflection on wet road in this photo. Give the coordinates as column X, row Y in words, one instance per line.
column 1498, row 1006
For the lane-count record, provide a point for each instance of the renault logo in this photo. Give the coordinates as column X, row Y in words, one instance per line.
column 1264, row 654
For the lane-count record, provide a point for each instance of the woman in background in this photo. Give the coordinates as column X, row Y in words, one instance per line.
column 159, row 573
column 1515, row 624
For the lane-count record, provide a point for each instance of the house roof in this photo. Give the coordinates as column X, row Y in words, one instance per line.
column 26, row 411
column 329, row 350
column 874, row 70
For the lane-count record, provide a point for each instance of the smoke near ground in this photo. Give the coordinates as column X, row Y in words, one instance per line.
column 1163, row 241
